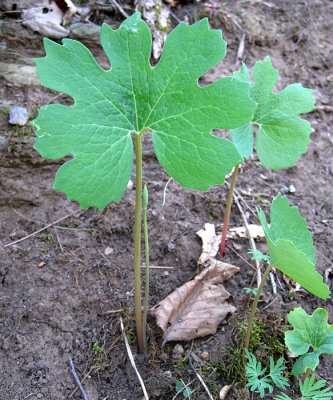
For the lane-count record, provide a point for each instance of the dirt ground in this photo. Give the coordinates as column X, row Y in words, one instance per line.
column 61, row 295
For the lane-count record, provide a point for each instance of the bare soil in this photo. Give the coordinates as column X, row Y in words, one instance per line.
column 61, row 295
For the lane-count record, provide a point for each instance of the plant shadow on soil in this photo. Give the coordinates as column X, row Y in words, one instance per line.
column 62, row 291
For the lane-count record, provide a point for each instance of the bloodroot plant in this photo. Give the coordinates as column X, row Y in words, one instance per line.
column 112, row 110
column 281, row 137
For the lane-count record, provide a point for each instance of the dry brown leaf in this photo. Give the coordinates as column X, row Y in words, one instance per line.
column 196, row 308
column 291, row 285
column 211, row 241
column 256, row 232
column 210, row 244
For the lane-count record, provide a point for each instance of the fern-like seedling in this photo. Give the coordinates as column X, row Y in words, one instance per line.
column 310, row 390
column 258, row 380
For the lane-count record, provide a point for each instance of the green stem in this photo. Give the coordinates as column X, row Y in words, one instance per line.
column 137, row 242
column 228, row 209
column 146, row 298
column 254, row 307
column 307, row 373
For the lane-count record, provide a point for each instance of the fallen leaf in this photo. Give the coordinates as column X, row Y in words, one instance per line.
column 196, row 308
column 210, row 244
column 256, row 232
column 211, row 241
column 291, row 285
column 224, row 391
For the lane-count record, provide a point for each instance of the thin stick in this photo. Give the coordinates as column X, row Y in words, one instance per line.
column 130, row 356
column 77, row 380
column 137, row 242
column 252, row 243
column 201, row 380
column 240, row 52
column 146, row 296
column 119, row 7
column 254, row 307
column 82, row 381
column 228, row 209
column 165, row 190
column 42, row 229
column 182, row 389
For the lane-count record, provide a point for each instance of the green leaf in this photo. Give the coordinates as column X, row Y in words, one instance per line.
column 282, row 136
column 290, row 246
column 312, row 390
column 310, row 331
column 133, row 97
column 258, row 255
column 275, row 372
column 257, row 380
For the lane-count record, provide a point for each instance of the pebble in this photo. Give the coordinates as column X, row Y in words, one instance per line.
column 18, row 116
column 177, row 352
column 205, row 355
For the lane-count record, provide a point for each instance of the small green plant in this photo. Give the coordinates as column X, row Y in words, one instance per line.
column 291, row 250
column 259, row 380
column 310, row 331
column 116, row 107
column 184, row 389
column 310, row 390
column 250, row 291
column 282, row 136
column 258, row 255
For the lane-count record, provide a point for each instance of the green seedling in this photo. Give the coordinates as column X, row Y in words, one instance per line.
column 291, row 251
column 116, row 107
column 259, row 379
column 310, row 390
column 185, row 390
column 310, row 331
column 250, row 291
column 282, row 136
column 258, row 255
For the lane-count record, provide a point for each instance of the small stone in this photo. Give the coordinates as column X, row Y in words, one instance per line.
column 165, row 273
column 130, row 185
column 164, row 356
column 108, row 251
column 18, row 116
column 205, row 355
column 168, row 374
column 41, row 264
column 177, row 352
column 171, row 246
column 88, row 31
column 292, row 189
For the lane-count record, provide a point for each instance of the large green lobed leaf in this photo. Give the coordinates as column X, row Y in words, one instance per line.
column 310, row 331
column 282, row 136
column 111, row 105
column 290, row 246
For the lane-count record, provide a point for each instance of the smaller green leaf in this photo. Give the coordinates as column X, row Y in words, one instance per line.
column 312, row 390
column 276, row 371
column 179, row 386
column 290, row 246
column 255, row 373
column 187, row 392
column 258, row 255
column 310, row 331
column 282, row 396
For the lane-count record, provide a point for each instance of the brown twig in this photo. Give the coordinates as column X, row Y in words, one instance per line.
column 119, row 8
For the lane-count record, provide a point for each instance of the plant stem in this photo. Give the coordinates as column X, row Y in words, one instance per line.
column 137, row 242
column 254, row 307
column 307, row 373
column 146, row 298
column 228, row 209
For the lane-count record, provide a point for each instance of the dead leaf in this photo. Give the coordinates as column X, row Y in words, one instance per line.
column 47, row 18
column 197, row 307
column 210, row 244
column 211, row 241
column 291, row 285
column 256, row 232
column 224, row 391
